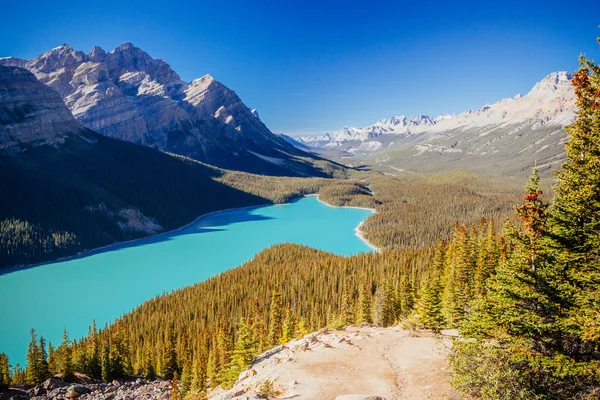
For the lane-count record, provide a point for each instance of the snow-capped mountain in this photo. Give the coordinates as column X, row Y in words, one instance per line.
column 512, row 134
column 127, row 94
column 550, row 102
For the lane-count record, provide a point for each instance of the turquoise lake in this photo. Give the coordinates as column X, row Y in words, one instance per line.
column 106, row 283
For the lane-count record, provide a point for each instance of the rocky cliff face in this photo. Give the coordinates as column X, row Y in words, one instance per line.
column 129, row 95
column 31, row 114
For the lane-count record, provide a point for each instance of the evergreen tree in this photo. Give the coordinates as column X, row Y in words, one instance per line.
column 174, row 387
column 33, row 359
column 364, row 307
column 52, row 360
column 429, row 307
column 19, row 376
column 244, row 349
column 406, row 296
column 186, row 379
column 94, row 369
column 288, row 328
column 346, row 308
column 65, row 360
column 44, row 370
column 5, row 377
column 106, row 370
column 575, row 214
column 301, row 329
column 275, row 318
column 170, row 356
column 487, row 261
column 120, row 359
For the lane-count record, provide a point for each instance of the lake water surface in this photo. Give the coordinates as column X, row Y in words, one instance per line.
column 106, row 283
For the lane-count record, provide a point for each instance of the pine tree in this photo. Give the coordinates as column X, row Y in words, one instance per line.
column 52, row 360
column 429, row 306
column 288, row 328
column 33, row 358
column 301, row 328
column 120, row 359
column 175, row 387
column 44, row 370
column 275, row 318
column 65, row 360
column 19, row 377
column 244, row 349
column 406, row 296
column 5, row 378
column 346, row 308
column 487, row 261
column 170, row 356
column 93, row 352
column 106, row 370
column 364, row 306
column 186, row 379
column 575, row 213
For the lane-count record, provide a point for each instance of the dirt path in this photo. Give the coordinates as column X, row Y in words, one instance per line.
column 386, row 362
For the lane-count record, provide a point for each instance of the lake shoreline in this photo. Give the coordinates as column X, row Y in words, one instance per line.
column 93, row 251
column 357, row 231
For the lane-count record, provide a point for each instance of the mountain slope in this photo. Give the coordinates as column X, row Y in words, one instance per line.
column 509, row 136
column 129, row 95
column 66, row 188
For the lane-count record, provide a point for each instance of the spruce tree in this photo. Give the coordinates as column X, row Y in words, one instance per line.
column 275, row 318
column 5, row 377
column 105, row 370
column 32, row 371
column 429, row 307
column 170, row 356
column 174, row 395
column 364, row 307
column 575, row 213
column 44, row 370
column 288, row 328
column 65, row 360
column 244, row 349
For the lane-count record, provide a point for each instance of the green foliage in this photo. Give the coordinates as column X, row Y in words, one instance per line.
column 538, row 321
column 428, row 310
column 5, row 375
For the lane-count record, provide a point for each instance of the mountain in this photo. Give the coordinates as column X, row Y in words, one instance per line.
column 66, row 189
column 510, row 135
column 127, row 94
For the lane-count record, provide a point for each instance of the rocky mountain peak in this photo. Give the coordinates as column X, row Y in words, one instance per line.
column 31, row 112
column 97, row 54
column 554, row 81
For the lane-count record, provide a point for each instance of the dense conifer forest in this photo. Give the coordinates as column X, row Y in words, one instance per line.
column 59, row 202
column 523, row 292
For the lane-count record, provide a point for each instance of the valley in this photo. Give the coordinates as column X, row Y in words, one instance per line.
column 159, row 241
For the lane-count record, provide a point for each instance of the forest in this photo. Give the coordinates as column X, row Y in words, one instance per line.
column 523, row 290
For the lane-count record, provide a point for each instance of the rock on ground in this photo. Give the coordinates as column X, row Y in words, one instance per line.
column 366, row 363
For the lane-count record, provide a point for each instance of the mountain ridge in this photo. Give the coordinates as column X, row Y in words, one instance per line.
column 129, row 95
column 509, row 136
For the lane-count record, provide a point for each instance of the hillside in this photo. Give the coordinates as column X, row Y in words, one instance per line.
column 365, row 363
column 127, row 94
column 67, row 189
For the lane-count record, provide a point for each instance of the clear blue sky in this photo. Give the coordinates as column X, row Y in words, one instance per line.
column 311, row 66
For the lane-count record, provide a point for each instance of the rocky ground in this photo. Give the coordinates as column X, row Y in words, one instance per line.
column 54, row 389
column 366, row 363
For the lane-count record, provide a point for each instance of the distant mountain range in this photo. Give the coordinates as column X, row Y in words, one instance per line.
column 127, row 94
column 508, row 136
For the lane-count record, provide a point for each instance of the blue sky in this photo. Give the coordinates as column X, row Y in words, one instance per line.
column 312, row 66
